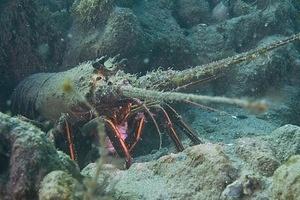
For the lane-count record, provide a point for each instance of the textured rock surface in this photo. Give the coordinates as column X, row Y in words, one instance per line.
column 242, row 170
column 199, row 172
column 192, row 12
column 285, row 141
column 286, row 180
column 242, row 188
column 26, row 157
column 267, row 152
column 32, row 39
column 257, row 154
column 60, row 185
column 178, row 34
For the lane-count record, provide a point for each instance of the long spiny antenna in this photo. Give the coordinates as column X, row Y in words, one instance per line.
column 171, row 79
column 153, row 95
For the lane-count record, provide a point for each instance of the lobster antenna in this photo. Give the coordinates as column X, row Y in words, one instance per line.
column 173, row 79
column 153, row 95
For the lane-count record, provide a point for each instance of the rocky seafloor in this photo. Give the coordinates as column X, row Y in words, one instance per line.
column 246, row 155
column 257, row 167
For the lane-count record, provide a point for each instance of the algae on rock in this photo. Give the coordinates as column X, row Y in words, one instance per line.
column 92, row 12
column 286, row 180
column 28, row 156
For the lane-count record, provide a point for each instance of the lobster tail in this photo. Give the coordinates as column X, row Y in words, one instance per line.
column 24, row 97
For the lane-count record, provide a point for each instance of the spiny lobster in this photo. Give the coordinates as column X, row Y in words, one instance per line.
column 100, row 89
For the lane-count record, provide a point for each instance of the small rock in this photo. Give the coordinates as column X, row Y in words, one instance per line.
column 244, row 186
column 60, row 185
column 233, row 191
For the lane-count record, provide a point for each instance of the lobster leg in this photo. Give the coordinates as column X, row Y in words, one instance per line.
column 117, row 142
column 182, row 124
column 70, row 140
column 138, row 131
column 171, row 131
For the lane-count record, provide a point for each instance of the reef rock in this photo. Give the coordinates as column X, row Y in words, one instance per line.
column 258, row 154
column 26, row 156
column 286, row 180
column 32, row 40
column 285, row 141
column 199, row 172
column 242, row 188
column 192, row 12
column 60, row 185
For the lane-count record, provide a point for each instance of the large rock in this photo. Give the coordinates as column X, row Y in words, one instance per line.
column 32, row 40
column 192, row 12
column 26, row 156
column 199, row 172
column 258, row 155
column 285, row 141
column 176, row 33
column 265, row 153
column 286, row 180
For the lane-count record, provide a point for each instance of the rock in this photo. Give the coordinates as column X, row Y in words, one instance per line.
column 286, row 180
column 150, row 34
column 261, row 75
column 36, row 32
column 107, row 171
column 199, row 172
column 120, row 34
column 60, row 185
column 244, row 186
column 285, row 105
column 26, row 157
column 285, row 141
column 192, row 12
column 70, row 165
column 89, row 13
column 257, row 154
column 233, row 191
column 220, row 12
column 241, row 8
column 136, row 32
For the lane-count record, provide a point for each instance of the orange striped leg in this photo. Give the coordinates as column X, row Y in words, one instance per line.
column 138, row 132
column 70, row 141
column 116, row 137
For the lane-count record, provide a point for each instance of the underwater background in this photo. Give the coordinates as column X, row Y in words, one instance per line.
column 245, row 153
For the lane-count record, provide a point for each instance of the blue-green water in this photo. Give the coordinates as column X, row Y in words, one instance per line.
column 251, row 141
